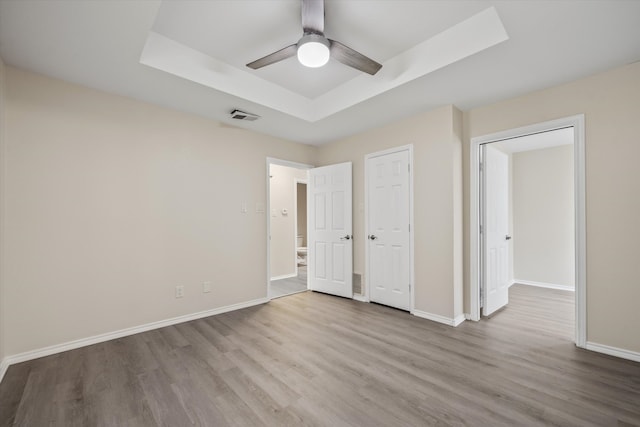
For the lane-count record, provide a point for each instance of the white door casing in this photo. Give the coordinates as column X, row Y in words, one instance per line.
column 329, row 225
column 495, row 229
column 388, row 232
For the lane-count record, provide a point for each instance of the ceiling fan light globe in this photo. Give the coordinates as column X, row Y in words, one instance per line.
column 313, row 51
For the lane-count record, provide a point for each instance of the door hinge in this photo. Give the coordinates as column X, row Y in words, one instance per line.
column 481, row 167
column 480, row 228
column 409, row 228
column 408, row 167
column 409, row 287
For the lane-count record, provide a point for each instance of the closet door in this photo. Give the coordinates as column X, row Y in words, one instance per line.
column 388, row 219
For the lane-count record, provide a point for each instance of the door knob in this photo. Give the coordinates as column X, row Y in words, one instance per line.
column 507, row 237
column 372, row 237
column 347, row 237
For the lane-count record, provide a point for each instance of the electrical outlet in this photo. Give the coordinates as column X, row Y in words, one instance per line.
column 206, row 287
column 179, row 291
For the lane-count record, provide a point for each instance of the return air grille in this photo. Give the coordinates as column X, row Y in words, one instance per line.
column 241, row 115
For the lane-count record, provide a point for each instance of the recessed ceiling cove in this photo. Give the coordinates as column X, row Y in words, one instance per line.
column 198, row 44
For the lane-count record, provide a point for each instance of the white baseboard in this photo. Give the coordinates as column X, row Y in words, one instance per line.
column 613, row 351
column 459, row 319
column 83, row 342
column 440, row 319
column 284, row 276
column 4, row 365
column 360, row 298
column 544, row 285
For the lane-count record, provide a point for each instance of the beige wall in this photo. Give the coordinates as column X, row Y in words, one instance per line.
column 610, row 102
column 3, row 322
column 543, row 216
column 111, row 203
column 436, row 142
column 457, row 212
column 283, row 227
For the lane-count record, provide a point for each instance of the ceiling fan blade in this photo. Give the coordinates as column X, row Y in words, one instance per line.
column 313, row 16
column 274, row 57
column 353, row 59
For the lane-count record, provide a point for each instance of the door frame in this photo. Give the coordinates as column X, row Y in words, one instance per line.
column 280, row 162
column 577, row 122
column 366, row 295
column 297, row 181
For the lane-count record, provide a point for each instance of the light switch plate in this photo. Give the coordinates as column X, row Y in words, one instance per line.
column 179, row 291
column 206, row 287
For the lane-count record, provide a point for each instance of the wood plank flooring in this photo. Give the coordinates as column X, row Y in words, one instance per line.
column 282, row 287
column 314, row 359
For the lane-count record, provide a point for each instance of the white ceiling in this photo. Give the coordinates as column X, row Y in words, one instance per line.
column 190, row 55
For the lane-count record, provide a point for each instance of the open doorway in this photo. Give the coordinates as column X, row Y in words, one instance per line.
column 329, row 227
column 529, row 230
column 528, row 221
column 287, row 221
column 300, row 205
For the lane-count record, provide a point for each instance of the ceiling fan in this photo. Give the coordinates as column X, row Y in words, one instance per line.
column 314, row 49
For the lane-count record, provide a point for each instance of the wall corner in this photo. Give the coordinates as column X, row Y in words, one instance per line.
column 458, row 206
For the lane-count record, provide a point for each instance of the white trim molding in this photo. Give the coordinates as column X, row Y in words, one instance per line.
column 544, row 285
column 613, row 351
column 4, row 365
column 83, row 342
column 440, row 319
column 578, row 124
column 284, row 276
column 459, row 319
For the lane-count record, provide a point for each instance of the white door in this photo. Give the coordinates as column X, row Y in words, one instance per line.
column 388, row 234
column 330, row 236
column 495, row 229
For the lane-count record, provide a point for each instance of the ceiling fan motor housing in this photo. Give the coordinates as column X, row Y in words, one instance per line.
column 313, row 50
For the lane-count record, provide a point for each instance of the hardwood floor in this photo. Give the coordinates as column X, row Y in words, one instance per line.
column 282, row 287
column 314, row 359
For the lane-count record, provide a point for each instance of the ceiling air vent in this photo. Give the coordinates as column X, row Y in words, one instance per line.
column 241, row 115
